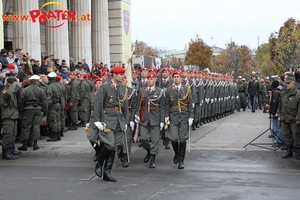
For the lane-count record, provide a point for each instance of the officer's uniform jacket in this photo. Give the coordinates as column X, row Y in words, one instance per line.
column 111, row 105
column 151, row 106
column 179, row 104
column 165, row 83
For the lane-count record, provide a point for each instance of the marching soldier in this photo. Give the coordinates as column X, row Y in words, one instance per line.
column 34, row 107
column 135, row 80
column 144, row 73
column 110, row 116
column 73, row 97
column 92, row 134
column 63, row 90
column 132, row 109
column 164, row 83
column 9, row 116
column 151, row 117
column 179, row 116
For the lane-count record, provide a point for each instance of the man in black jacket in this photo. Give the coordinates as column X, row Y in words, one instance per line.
column 253, row 89
column 274, row 102
column 3, row 59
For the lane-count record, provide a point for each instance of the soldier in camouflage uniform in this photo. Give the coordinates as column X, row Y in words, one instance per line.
column 34, row 107
column 84, row 95
column 73, row 96
column 241, row 87
column 54, row 96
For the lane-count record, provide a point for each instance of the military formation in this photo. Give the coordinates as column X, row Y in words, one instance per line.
column 164, row 104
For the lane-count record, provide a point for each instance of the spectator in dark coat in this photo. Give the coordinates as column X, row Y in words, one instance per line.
column 253, row 89
column 3, row 59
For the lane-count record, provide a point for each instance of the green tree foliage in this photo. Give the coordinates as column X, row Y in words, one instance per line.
column 142, row 48
column 264, row 63
column 234, row 60
column 198, row 54
column 285, row 45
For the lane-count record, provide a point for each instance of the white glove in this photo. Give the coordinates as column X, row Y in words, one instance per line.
column 206, row 100
column 221, row 99
column 193, row 105
column 215, row 99
column 87, row 125
column 237, row 97
column 137, row 119
column 161, row 126
column 212, row 100
column 125, row 128
column 131, row 125
column 99, row 125
column 201, row 102
column 191, row 121
column 167, row 121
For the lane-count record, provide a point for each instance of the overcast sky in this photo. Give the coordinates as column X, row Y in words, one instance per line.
column 171, row 24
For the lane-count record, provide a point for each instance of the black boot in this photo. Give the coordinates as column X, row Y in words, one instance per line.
column 120, row 153
column 182, row 149
column 103, row 155
column 147, row 157
column 176, row 149
column 167, row 143
column 289, row 152
column 204, row 121
column 197, row 124
column 6, row 155
column 193, row 126
column 125, row 161
column 61, row 132
column 73, row 127
column 58, row 136
column 108, row 166
column 201, row 122
column 152, row 161
column 35, row 146
column 23, row 147
column 53, row 137
column 297, row 153
column 97, row 150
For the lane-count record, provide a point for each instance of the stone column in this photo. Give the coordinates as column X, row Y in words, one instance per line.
column 81, row 47
column 26, row 33
column 57, row 39
column 100, row 32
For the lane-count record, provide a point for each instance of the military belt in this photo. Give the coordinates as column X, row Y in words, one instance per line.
column 112, row 108
column 241, row 91
column 177, row 107
column 151, row 108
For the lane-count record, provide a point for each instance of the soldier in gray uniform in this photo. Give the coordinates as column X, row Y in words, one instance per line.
column 164, row 83
column 93, row 131
column 34, row 107
column 151, row 115
column 135, row 79
column 63, row 91
column 84, row 95
column 73, row 97
column 54, row 96
column 179, row 116
column 132, row 98
column 144, row 73
column 9, row 116
column 111, row 110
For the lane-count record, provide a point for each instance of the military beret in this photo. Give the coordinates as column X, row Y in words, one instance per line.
column 151, row 75
column 117, row 70
column 58, row 77
column 177, row 72
column 144, row 68
column 164, row 69
column 71, row 73
column 152, row 69
column 97, row 79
